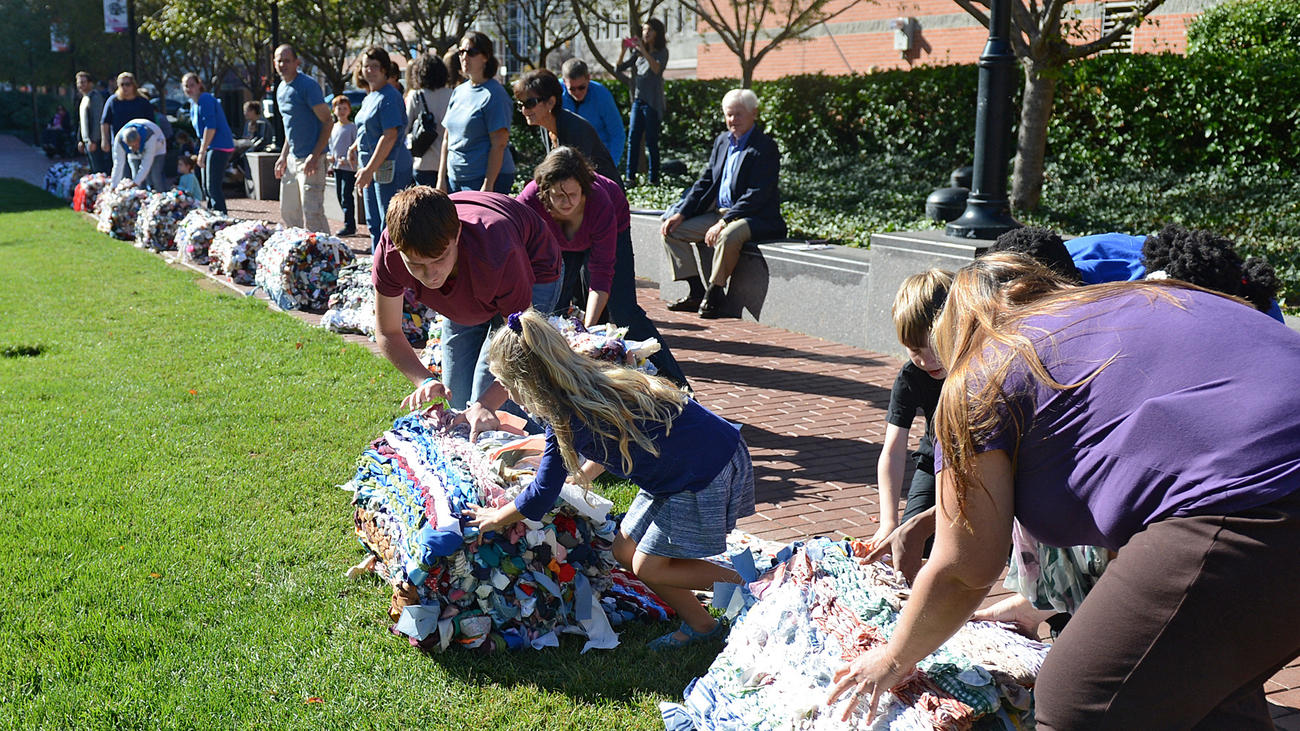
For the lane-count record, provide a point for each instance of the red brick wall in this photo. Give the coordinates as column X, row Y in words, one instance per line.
column 866, row 52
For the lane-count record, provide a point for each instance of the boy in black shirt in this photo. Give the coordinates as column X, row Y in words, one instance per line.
column 917, row 304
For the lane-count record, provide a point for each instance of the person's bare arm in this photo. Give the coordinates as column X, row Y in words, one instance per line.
column 889, row 479
column 382, row 148
column 496, row 156
column 442, row 165
column 322, row 140
column 965, row 563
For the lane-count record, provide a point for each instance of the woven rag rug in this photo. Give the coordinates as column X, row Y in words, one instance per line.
column 821, row 609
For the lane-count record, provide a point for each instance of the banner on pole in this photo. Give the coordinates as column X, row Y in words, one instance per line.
column 115, row 20
column 59, row 39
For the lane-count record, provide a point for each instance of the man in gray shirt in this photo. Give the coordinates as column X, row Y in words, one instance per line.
column 88, row 114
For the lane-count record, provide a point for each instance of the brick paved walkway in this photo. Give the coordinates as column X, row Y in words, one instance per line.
column 813, row 415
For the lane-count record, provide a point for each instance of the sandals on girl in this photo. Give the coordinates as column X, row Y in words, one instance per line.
column 670, row 640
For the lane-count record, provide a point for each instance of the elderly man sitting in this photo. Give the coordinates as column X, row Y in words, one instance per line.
column 735, row 200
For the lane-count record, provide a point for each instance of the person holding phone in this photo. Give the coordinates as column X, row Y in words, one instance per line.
column 648, row 60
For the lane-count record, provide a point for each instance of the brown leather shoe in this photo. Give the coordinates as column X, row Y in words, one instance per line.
column 689, row 303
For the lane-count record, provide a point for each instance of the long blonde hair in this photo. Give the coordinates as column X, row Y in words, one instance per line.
column 979, row 339
column 558, row 385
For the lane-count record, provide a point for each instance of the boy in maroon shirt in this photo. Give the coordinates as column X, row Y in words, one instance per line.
column 473, row 257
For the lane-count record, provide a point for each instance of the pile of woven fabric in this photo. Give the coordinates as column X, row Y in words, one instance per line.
column 155, row 226
column 196, row 231
column 234, row 249
column 352, row 308
column 606, row 342
column 61, row 179
column 820, row 610
column 501, row 590
column 87, row 190
column 299, row 269
column 116, row 209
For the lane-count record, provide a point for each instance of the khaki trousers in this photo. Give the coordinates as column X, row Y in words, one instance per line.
column 681, row 243
column 302, row 196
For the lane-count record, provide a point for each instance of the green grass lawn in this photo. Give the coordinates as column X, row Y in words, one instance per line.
column 170, row 456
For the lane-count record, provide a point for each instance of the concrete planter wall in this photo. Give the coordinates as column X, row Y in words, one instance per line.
column 833, row 292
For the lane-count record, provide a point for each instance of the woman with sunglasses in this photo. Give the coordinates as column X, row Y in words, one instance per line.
column 541, row 100
column 474, row 149
column 125, row 105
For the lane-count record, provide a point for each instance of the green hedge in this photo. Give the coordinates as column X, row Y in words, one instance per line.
column 1182, row 112
column 1113, row 112
column 922, row 113
column 1246, row 25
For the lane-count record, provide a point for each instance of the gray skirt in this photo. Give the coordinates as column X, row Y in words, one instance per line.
column 693, row 524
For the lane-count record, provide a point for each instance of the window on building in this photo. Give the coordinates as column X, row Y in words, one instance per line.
column 1111, row 16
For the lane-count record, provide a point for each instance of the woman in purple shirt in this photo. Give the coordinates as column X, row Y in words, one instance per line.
column 579, row 206
column 1158, row 420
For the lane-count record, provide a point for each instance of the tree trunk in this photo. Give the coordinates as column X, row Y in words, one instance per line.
column 747, row 73
column 1031, row 144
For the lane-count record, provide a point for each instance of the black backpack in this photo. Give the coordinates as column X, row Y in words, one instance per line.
column 424, row 130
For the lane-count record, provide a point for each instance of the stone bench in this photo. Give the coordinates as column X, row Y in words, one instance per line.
column 816, row 289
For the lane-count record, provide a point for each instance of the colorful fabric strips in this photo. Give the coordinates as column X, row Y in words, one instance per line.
column 821, row 609
column 62, row 177
column 352, row 308
column 117, row 208
column 196, row 231
column 88, row 188
column 155, row 226
column 509, row 590
column 299, row 269
column 234, row 249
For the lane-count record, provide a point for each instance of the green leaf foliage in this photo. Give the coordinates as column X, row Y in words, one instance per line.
column 1246, row 25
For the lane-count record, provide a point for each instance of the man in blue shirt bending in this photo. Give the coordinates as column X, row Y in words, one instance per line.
column 593, row 102
column 736, row 199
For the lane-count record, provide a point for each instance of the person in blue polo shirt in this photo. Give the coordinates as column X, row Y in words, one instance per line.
column 593, row 102
column 301, row 167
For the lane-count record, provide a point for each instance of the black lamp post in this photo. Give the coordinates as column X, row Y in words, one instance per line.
column 132, row 31
column 277, row 122
column 988, row 210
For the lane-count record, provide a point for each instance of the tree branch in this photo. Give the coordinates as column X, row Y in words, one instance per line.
column 1130, row 22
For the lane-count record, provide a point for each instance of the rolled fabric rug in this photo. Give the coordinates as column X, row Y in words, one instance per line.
column 196, row 231
column 87, row 190
column 516, row 588
column 117, row 208
column 234, row 250
column 299, row 269
column 352, row 308
column 161, row 213
column 61, row 179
